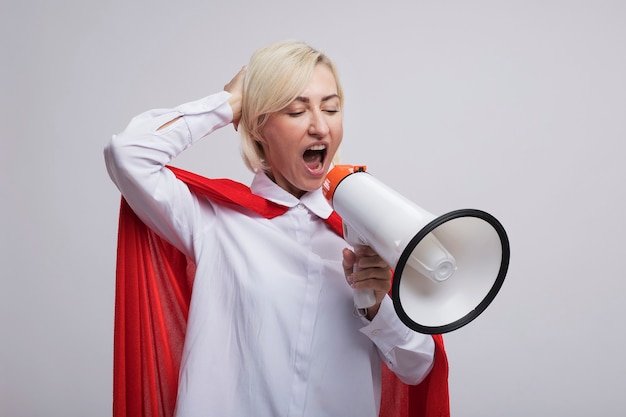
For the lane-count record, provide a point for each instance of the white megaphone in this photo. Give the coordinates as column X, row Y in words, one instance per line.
column 447, row 269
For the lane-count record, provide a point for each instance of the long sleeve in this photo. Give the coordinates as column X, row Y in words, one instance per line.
column 407, row 353
column 136, row 160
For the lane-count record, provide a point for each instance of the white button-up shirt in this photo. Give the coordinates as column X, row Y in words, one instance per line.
column 271, row 329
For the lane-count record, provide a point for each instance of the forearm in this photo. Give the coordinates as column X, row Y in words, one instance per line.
column 153, row 138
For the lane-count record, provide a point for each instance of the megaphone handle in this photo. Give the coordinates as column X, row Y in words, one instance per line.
column 363, row 298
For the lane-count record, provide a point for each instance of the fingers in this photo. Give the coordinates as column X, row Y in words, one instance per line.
column 349, row 258
column 235, row 88
column 365, row 268
column 236, row 84
column 367, row 258
column 377, row 279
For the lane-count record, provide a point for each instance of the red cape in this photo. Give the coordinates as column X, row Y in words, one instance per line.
column 153, row 290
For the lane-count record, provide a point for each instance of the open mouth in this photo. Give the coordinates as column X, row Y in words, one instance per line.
column 314, row 157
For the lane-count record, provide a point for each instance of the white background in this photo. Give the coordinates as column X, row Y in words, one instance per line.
column 514, row 107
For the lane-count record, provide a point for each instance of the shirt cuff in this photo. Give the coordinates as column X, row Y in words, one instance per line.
column 207, row 114
column 386, row 330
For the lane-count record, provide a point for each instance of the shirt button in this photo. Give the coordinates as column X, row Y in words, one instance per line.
column 375, row 332
column 300, row 206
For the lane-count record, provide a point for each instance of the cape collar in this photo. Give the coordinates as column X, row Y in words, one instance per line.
column 266, row 198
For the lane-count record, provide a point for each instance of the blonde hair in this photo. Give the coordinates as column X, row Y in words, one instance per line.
column 275, row 76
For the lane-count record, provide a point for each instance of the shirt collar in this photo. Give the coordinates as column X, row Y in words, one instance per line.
column 315, row 201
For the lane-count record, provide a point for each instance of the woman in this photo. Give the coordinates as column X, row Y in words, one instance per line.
column 271, row 327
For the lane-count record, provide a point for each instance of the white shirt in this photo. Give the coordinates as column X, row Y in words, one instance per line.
column 271, row 329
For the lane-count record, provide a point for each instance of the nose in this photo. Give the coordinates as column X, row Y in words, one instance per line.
column 319, row 126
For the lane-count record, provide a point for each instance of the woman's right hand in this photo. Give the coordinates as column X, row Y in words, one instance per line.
column 235, row 88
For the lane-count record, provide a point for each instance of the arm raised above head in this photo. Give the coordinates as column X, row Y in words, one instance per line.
column 136, row 160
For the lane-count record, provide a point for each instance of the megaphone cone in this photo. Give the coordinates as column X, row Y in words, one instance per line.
column 447, row 269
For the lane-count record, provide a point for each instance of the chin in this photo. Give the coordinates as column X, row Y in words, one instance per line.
column 309, row 186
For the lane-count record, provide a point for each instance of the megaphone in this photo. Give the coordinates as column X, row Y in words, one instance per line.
column 447, row 269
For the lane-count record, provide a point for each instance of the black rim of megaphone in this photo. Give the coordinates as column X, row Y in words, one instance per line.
column 488, row 298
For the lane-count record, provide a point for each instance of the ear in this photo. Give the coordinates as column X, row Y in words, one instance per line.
column 259, row 145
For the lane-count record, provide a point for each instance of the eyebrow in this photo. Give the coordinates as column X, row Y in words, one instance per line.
column 307, row 100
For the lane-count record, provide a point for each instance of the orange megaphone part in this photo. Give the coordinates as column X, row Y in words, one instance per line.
column 335, row 176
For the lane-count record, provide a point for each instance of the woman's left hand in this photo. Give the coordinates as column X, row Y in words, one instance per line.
column 372, row 272
column 235, row 88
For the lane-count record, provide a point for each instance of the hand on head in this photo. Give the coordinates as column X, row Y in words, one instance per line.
column 235, row 88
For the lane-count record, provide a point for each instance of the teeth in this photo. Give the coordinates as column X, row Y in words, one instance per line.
column 317, row 148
